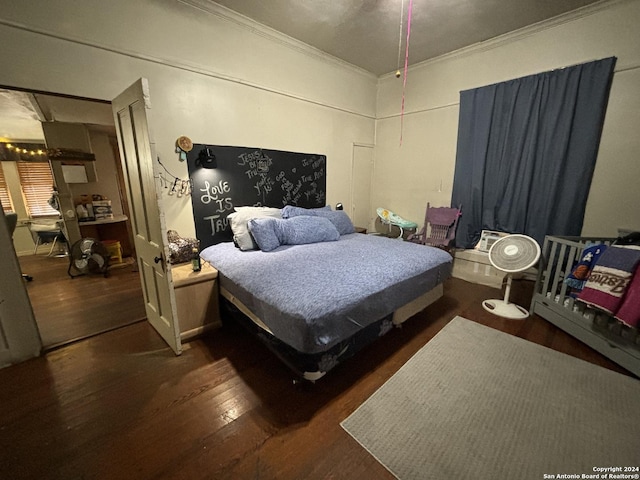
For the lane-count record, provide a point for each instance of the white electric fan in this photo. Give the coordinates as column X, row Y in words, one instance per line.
column 511, row 254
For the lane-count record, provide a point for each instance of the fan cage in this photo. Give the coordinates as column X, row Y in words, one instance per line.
column 511, row 254
column 88, row 255
column 514, row 253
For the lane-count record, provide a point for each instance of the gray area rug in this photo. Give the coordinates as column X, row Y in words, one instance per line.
column 476, row 403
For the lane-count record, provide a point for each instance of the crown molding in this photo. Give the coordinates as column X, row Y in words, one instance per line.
column 271, row 34
column 519, row 34
column 179, row 64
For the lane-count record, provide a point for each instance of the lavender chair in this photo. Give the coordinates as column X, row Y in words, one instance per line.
column 439, row 227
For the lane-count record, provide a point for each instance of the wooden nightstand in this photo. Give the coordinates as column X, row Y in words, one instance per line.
column 196, row 299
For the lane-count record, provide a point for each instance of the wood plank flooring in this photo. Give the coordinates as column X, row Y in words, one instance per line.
column 122, row 406
column 68, row 309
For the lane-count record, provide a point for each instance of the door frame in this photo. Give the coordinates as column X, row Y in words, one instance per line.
column 19, row 335
column 353, row 179
column 21, row 338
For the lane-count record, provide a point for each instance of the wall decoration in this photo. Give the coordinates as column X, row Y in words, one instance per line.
column 175, row 186
column 183, row 146
column 224, row 177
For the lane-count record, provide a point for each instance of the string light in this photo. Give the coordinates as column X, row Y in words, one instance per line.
column 20, row 150
column 179, row 187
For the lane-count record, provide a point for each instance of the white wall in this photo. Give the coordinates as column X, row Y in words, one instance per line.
column 106, row 173
column 219, row 81
column 212, row 79
column 421, row 170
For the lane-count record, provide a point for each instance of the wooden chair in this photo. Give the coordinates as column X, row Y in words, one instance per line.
column 439, row 226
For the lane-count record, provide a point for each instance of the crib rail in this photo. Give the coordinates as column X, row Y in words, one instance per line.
column 557, row 259
column 552, row 300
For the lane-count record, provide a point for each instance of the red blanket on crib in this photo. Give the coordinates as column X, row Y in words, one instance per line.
column 614, row 284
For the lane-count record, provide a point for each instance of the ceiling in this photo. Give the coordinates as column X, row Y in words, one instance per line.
column 21, row 114
column 365, row 33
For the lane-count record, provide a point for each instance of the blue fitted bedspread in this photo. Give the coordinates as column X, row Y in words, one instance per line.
column 313, row 296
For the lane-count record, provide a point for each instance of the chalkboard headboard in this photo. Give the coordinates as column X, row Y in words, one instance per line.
column 225, row 177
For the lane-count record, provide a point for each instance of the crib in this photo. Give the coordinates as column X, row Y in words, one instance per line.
column 553, row 302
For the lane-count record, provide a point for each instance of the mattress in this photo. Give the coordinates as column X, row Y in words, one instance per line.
column 313, row 296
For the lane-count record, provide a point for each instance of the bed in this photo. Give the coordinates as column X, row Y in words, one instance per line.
column 557, row 300
column 316, row 304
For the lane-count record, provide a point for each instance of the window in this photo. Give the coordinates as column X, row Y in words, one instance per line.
column 7, row 206
column 526, row 153
column 36, row 180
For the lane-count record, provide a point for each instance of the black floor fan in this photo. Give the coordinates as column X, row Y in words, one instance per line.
column 88, row 255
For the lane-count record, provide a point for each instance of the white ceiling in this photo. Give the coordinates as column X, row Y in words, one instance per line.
column 21, row 114
column 18, row 120
column 366, row 32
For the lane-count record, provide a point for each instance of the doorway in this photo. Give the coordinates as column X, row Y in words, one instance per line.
column 361, row 176
column 68, row 309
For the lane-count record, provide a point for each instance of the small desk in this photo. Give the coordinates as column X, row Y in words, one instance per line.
column 109, row 229
column 104, row 221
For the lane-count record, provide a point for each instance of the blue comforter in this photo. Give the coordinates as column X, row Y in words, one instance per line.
column 312, row 296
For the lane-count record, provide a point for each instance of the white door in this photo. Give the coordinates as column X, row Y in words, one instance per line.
column 19, row 337
column 147, row 217
column 361, row 174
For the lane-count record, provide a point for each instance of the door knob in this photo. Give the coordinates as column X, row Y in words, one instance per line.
column 157, row 259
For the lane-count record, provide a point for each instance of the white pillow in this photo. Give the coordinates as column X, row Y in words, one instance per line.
column 239, row 219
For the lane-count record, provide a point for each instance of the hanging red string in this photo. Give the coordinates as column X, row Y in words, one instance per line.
column 406, row 66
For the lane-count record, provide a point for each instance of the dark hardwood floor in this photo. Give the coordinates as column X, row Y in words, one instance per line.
column 122, row 406
column 68, row 309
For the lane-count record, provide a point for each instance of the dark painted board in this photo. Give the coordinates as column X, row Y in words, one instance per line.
column 226, row 177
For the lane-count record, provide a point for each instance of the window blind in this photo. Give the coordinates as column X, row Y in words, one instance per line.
column 7, row 206
column 36, row 180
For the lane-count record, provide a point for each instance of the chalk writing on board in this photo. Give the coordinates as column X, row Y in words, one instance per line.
column 249, row 176
column 217, row 223
column 257, row 165
column 264, row 185
column 315, row 162
column 304, row 185
column 216, row 194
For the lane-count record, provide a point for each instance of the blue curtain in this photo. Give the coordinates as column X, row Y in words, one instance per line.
column 527, row 150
